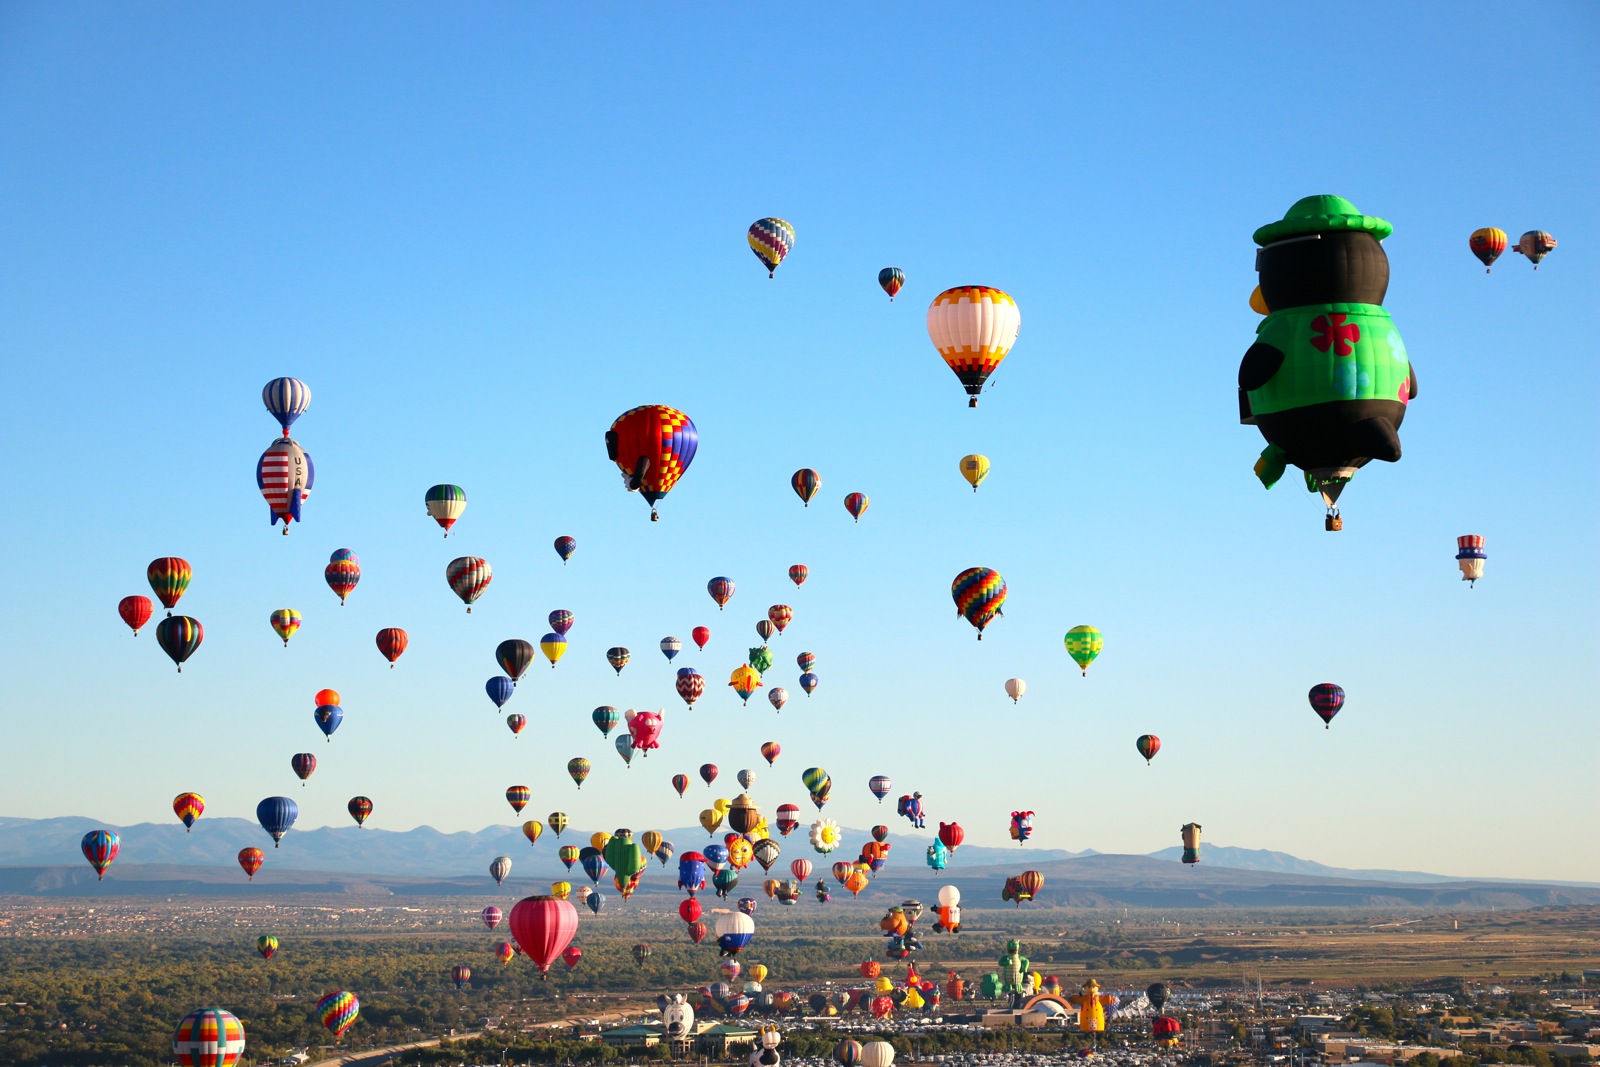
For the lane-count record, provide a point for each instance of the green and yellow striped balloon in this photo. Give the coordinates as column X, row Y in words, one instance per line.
column 1083, row 645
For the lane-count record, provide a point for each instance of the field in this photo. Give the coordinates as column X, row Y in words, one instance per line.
column 77, row 983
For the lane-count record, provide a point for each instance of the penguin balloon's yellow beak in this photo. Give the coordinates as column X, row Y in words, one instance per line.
column 1258, row 303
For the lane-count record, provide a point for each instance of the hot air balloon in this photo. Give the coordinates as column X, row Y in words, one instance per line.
column 491, row 916
column 561, row 621
column 285, row 623
column 825, row 836
column 701, row 635
column 734, row 931
column 645, row 728
column 891, row 279
column 1190, row 832
column 503, row 951
column 267, row 945
column 801, row 869
column 1536, row 244
column 304, row 764
column 578, row 769
column 557, row 821
column 569, row 854
column 771, row 750
column 670, row 647
column 392, row 642
column 697, row 931
column 805, row 661
column 951, row 835
column 745, row 680
column 624, row 744
column 1487, row 244
column 593, row 862
column 1165, row 1030
column 516, row 723
column 761, row 659
column 747, row 778
column 169, row 578
column 565, row 547
column 284, row 475
column 664, row 853
column 880, row 784
column 554, row 646
column 500, row 689
column 499, row 868
column 690, row 685
column 518, row 796
column 1148, row 745
column 179, row 636
column 514, row 656
column 342, row 573
column 777, row 697
column 276, row 815
column 787, row 818
column 135, row 611
column 721, row 590
column 1156, row 994
column 468, row 577
column 809, row 682
column 974, row 469
column 973, row 327
column 1326, row 700
column 326, row 696
column 1015, row 687
column 461, row 975
column 765, row 629
column 328, row 717
column 250, row 859
column 1328, row 381
column 1470, row 557
column 855, row 881
column 813, row 778
column 445, row 504
column 680, row 782
column 770, row 239
column 938, row 856
column 805, row 482
column 1083, row 645
column 653, row 446
column 1028, row 885
column 641, row 952
column 1021, row 826
column 286, row 399
column 708, row 773
column 780, row 615
column 606, row 719
column 338, row 1011
column 798, row 573
column 100, row 848
column 711, row 818
column 360, row 809
column 618, row 657
column 847, row 1053
column 979, row 593
column 209, row 1037
column 188, row 807
column 856, row 504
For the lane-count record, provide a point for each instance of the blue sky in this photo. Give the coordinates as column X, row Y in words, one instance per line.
column 481, row 232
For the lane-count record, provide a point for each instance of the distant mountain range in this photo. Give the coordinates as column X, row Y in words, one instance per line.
column 40, row 857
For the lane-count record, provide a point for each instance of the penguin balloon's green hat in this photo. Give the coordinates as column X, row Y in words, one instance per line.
column 1322, row 214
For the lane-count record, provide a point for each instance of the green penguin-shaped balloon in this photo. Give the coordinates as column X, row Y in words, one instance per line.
column 1328, row 380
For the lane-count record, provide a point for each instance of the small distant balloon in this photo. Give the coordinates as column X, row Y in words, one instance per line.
column 974, row 469
column 445, row 504
column 891, row 279
column 565, row 547
column 856, row 504
column 285, row 623
column 805, row 483
column 770, row 239
column 342, row 573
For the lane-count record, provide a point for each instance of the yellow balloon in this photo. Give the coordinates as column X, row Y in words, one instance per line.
column 974, row 469
column 561, row 890
column 740, row 853
column 855, row 882
column 531, row 830
column 757, row 972
column 651, row 841
column 1258, row 303
column 883, row 985
column 914, row 998
column 722, row 804
column 599, row 839
column 710, row 819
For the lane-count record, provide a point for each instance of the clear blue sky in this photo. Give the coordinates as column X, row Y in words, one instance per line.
column 482, row 231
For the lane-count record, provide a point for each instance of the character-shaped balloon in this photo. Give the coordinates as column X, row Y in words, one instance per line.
column 1021, row 826
column 911, row 807
column 645, row 728
column 1328, row 380
column 1013, row 971
column 1092, row 1005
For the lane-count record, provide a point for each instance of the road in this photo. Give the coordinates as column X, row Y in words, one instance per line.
column 374, row 1057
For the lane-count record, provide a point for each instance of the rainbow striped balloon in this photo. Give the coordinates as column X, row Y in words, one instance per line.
column 338, row 1011
column 979, row 593
column 770, row 239
column 209, row 1037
